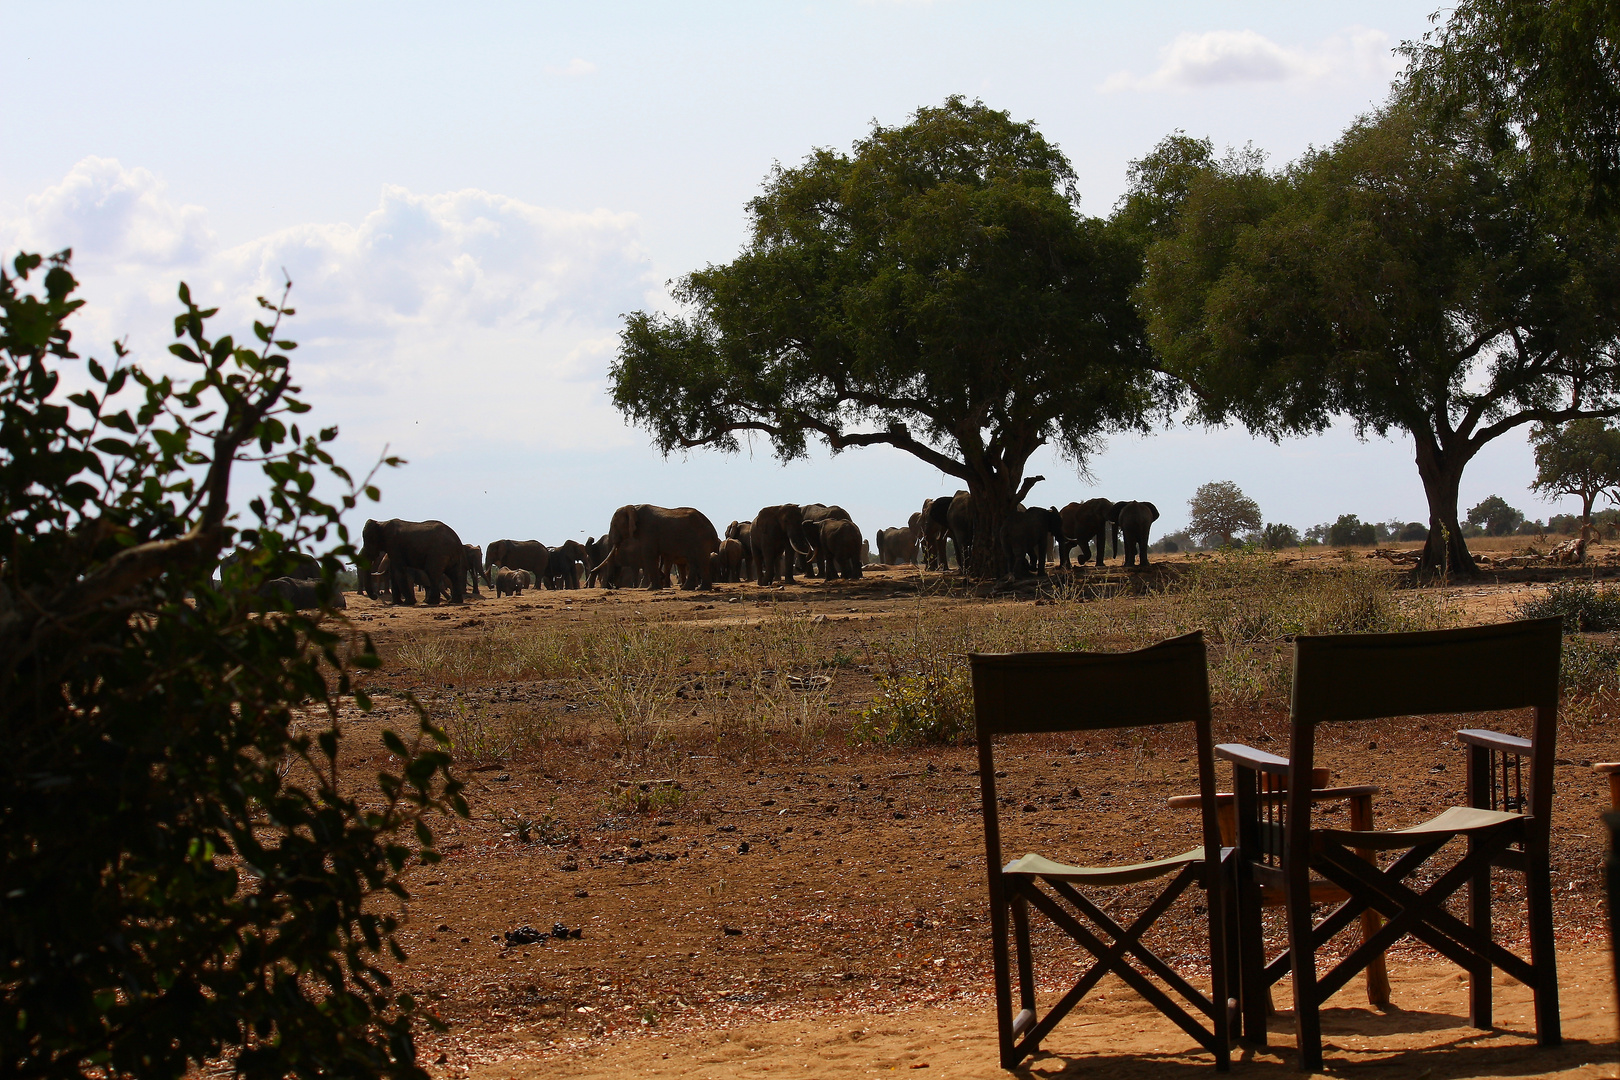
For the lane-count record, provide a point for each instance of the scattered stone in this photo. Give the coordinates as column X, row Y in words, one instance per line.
column 731, row 931
column 503, row 778
column 742, row 848
column 524, row 935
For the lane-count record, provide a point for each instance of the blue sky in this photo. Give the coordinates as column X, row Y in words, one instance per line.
column 468, row 197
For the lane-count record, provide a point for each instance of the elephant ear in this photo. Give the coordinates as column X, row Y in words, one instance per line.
column 629, row 513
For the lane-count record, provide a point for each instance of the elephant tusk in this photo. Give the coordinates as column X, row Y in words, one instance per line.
column 605, row 559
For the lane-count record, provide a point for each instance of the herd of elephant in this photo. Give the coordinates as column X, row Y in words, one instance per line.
column 647, row 545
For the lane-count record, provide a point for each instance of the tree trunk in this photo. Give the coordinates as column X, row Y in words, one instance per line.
column 995, row 493
column 1446, row 552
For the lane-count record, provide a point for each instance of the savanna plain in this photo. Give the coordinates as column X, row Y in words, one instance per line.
column 738, row 832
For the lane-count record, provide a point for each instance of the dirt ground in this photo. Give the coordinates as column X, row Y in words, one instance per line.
column 739, row 899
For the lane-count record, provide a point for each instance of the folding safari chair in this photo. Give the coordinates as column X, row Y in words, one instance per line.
column 1369, row 676
column 1023, row 693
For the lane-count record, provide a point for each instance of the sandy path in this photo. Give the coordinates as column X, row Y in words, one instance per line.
column 1119, row 1037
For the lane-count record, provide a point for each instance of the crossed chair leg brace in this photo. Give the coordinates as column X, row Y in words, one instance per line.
column 1021, row 1034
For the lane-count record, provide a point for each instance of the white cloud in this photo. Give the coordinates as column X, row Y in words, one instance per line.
column 435, row 321
column 1236, row 57
column 110, row 214
column 577, row 68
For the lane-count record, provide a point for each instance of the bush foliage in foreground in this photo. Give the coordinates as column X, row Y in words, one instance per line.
column 184, row 875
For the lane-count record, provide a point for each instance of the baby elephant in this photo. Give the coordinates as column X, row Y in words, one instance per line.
column 301, row 593
column 510, row 582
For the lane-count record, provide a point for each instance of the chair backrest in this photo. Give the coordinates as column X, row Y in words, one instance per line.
column 1029, row 693
column 1350, row 677
column 1024, row 693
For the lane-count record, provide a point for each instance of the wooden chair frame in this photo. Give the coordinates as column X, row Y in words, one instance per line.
column 1369, row 676
column 1026, row 693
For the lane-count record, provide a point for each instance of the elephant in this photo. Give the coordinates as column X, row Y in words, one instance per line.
column 960, row 516
column 530, row 555
column 1084, row 524
column 562, row 565
column 897, row 547
column 595, row 551
column 816, row 512
column 655, row 538
column 778, row 531
column 1134, row 519
column 302, row 593
column 296, row 564
column 1024, row 537
column 936, row 529
column 429, row 546
column 731, row 559
column 742, row 532
column 838, row 546
column 475, row 567
column 509, row 582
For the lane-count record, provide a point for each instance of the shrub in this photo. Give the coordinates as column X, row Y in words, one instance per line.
column 1277, row 536
column 185, row 879
column 1351, row 531
column 931, row 705
column 1584, row 606
column 1590, row 666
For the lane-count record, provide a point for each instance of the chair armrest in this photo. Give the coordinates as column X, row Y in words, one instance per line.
column 1495, row 740
column 1250, row 758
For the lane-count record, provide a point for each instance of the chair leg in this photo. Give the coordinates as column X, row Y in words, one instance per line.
column 1307, row 1015
column 1026, row 962
column 1479, row 976
column 1361, row 819
column 1003, row 978
column 1253, row 991
column 1538, row 884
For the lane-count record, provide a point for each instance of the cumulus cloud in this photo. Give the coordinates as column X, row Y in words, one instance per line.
column 111, row 215
column 576, row 68
column 435, row 321
column 1238, row 57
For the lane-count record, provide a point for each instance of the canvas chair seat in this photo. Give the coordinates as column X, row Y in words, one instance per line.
column 1041, row 866
column 1453, row 821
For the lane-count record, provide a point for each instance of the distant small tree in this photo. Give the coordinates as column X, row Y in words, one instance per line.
column 1580, row 458
column 1495, row 517
column 1351, row 531
column 1277, row 536
column 1220, row 511
column 1410, row 531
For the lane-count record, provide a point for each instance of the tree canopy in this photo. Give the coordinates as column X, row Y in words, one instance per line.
column 1220, row 511
column 185, row 877
column 1545, row 75
column 936, row 290
column 1580, row 458
column 1401, row 278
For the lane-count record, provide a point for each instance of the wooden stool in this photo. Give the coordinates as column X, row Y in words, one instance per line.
column 1611, row 769
column 1360, row 797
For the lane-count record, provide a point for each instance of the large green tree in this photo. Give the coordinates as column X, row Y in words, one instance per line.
column 1402, row 278
column 936, row 290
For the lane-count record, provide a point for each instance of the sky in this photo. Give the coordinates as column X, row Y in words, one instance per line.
column 469, row 198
